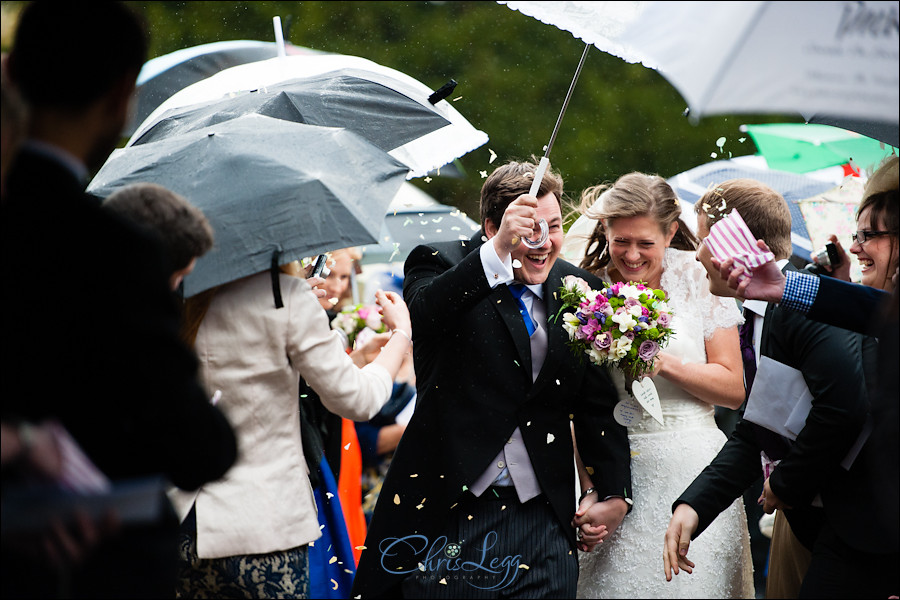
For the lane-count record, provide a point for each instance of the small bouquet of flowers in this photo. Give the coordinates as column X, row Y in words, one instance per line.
column 623, row 324
column 352, row 320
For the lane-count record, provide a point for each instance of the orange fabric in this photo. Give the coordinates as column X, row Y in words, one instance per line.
column 350, row 487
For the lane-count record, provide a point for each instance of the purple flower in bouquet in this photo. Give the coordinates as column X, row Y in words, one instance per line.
column 647, row 350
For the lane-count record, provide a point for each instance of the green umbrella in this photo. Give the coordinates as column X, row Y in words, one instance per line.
column 805, row 147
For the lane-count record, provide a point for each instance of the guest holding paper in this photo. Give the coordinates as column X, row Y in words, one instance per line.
column 868, row 532
column 640, row 237
column 788, row 360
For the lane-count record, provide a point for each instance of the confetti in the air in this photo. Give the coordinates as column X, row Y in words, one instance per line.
column 493, row 156
column 483, row 174
column 550, row 438
column 397, row 499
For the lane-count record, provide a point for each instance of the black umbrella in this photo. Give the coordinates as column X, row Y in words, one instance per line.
column 274, row 191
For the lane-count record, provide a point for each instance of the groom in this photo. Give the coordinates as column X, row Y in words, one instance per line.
column 478, row 501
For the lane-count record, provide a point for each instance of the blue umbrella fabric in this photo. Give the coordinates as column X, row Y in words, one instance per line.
column 271, row 189
column 693, row 183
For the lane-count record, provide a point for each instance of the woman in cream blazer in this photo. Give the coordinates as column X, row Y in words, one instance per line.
column 255, row 355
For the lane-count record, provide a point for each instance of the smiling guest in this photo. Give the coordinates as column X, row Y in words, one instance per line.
column 639, row 236
column 484, row 473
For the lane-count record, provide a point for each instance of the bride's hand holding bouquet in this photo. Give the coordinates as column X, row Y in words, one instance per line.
column 623, row 325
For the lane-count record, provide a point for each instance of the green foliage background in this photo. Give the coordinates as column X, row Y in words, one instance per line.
column 513, row 73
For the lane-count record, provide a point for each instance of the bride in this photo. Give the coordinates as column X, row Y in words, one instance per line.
column 639, row 236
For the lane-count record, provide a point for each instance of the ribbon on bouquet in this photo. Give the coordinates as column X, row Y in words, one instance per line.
column 731, row 238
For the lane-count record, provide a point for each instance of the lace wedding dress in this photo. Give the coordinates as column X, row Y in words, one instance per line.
column 665, row 459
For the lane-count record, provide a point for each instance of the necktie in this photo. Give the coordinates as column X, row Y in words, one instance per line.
column 748, row 354
column 517, row 289
column 774, row 446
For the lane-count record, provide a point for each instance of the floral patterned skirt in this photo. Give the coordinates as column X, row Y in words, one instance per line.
column 283, row 574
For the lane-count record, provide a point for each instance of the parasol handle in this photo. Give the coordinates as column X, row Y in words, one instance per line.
column 279, row 35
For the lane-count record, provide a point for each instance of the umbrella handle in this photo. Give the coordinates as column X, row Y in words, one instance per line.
column 539, row 176
column 279, row 35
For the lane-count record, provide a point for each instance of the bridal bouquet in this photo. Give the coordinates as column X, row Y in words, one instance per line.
column 622, row 324
column 352, row 320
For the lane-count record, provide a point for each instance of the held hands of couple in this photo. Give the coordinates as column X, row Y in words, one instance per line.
column 682, row 526
column 597, row 519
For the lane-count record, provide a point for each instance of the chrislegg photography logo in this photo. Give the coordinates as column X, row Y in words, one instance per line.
column 474, row 562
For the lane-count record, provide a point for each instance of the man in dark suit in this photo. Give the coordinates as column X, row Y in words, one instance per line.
column 479, row 497
column 864, row 531
column 808, row 471
column 90, row 326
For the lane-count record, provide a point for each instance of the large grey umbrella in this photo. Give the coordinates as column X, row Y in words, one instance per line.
column 346, row 102
column 384, row 116
column 272, row 190
column 162, row 76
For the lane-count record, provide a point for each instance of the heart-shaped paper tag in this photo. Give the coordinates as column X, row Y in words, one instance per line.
column 644, row 391
column 627, row 411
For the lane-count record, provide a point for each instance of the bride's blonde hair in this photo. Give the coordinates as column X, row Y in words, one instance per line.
column 632, row 195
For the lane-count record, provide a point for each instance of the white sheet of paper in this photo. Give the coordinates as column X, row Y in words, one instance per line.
column 777, row 391
column 780, row 401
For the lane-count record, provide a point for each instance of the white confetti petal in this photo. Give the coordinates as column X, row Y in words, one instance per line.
column 335, row 584
column 550, row 438
column 493, row 156
column 397, row 499
column 516, row 264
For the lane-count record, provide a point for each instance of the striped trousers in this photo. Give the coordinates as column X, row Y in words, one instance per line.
column 496, row 547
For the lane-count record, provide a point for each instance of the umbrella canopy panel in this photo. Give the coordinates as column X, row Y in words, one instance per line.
column 692, row 184
column 163, row 76
column 380, row 114
column 422, row 154
column 265, row 185
column 826, row 58
column 801, row 148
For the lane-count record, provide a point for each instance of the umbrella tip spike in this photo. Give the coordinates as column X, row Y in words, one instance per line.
column 444, row 91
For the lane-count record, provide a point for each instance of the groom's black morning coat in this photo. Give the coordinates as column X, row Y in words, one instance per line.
column 473, row 372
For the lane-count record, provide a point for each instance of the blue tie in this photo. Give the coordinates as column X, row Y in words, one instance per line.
column 517, row 289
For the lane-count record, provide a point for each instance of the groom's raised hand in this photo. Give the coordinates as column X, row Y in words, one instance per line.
column 682, row 526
